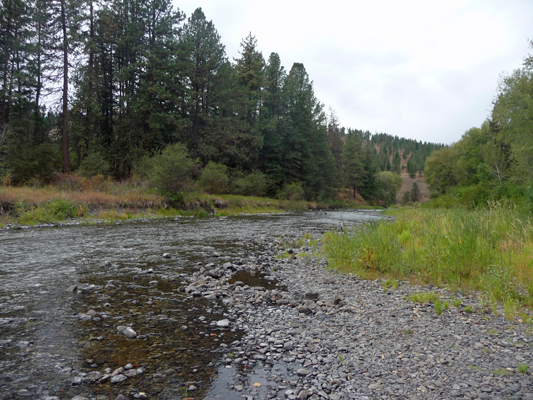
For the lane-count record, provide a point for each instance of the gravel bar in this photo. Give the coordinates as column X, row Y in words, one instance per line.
column 325, row 335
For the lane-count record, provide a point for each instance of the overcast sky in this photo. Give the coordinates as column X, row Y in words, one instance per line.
column 426, row 70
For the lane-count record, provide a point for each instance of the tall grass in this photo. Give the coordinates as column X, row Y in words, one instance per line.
column 487, row 250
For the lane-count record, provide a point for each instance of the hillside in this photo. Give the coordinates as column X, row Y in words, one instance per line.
column 408, row 184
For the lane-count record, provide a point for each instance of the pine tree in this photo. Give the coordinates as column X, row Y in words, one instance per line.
column 406, row 197
column 301, row 105
column 306, row 156
column 415, row 193
column 396, row 163
column 273, row 121
column 205, row 56
column 246, row 131
column 368, row 186
column 334, row 138
column 352, row 161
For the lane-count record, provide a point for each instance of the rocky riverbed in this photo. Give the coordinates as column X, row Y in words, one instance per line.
column 235, row 313
column 333, row 336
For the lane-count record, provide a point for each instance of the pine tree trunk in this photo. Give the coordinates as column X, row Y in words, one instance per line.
column 65, row 89
column 89, row 135
column 7, row 55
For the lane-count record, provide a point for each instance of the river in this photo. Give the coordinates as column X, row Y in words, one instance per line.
column 64, row 291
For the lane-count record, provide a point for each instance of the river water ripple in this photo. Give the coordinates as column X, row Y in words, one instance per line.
column 58, row 341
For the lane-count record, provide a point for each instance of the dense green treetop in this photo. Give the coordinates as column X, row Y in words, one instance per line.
column 102, row 86
column 494, row 160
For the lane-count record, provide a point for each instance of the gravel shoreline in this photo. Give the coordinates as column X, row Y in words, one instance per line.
column 324, row 335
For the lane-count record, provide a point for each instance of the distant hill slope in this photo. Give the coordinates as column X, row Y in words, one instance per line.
column 408, row 184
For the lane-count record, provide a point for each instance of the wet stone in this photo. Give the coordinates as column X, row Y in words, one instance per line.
column 118, row 378
column 223, row 323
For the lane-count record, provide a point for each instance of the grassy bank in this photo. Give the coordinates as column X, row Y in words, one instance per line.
column 490, row 251
column 100, row 199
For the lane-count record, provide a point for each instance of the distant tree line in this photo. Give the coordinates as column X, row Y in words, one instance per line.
column 494, row 160
column 103, row 87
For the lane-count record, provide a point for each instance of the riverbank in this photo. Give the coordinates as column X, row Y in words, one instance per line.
column 486, row 250
column 114, row 202
column 327, row 335
column 223, row 308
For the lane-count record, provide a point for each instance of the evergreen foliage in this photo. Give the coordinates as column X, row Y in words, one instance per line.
column 115, row 86
column 214, row 178
column 406, row 198
column 415, row 193
column 493, row 161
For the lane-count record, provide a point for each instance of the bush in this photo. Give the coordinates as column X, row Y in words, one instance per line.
column 94, row 164
column 170, row 172
column 38, row 164
column 469, row 197
column 390, row 183
column 472, row 196
column 529, row 199
column 415, row 193
column 53, row 210
column 214, row 178
column 254, row 184
column 293, row 191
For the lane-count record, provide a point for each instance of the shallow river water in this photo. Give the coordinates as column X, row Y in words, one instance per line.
column 65, row 290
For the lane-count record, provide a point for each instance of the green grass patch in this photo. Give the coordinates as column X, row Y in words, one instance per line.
column 389, row 283
column 456, row 302
column 489, row 250
column 423, row 297
column 52, row 211
column 438, row 306
column 502, row 372
column 522, row 368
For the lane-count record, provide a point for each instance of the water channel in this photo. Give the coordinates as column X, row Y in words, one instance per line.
column 64, row 291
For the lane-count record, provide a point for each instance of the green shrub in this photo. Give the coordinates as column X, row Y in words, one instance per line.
column 254, row 184
column 54, row 210
column 170, row 172
column 37, row 164
column 214, row 178
column 389, row 184
column 529, row 199
column 293, row 191
column 94, row 164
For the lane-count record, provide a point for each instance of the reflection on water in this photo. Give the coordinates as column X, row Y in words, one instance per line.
column 52, row 336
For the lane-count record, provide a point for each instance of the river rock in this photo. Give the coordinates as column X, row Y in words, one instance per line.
column 223, row 323
column 127, row 331
column 118, row 378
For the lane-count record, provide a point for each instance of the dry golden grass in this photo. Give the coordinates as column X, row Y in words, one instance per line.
column 92, row 199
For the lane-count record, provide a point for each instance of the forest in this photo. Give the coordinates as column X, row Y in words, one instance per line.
column 124, row 88
column 495, row 160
